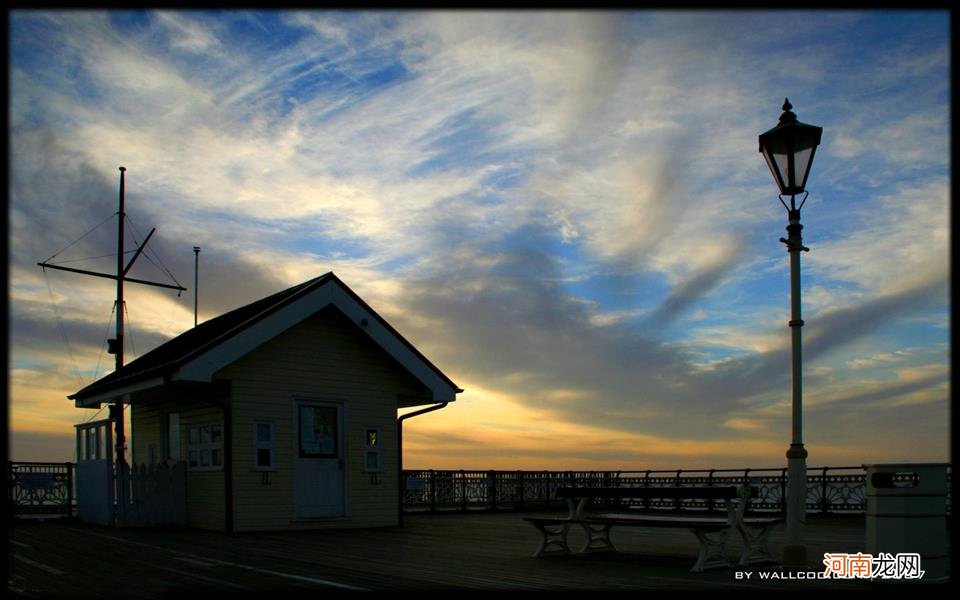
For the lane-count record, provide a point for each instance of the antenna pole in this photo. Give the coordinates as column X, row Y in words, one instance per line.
column 196, row 281
column 118, row 405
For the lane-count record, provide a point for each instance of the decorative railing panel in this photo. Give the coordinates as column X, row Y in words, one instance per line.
column 830, row 490
column 37, row 488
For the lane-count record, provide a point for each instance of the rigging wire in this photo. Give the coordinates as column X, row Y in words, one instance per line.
column 96, row 414
column 126, row 221
column 106, row 332
column 74, row 260
column 129, row 325
column 63, row 331
column 102, row 346
column 148, row 251
column 81, row 237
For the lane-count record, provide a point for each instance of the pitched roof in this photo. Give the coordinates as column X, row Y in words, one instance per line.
column 169, row 357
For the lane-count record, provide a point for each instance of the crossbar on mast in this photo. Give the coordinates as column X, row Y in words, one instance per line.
column 114, row 277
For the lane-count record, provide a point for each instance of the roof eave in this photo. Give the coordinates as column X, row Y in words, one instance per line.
column 95, row 398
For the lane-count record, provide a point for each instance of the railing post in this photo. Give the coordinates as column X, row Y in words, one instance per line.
column 746, row 482
column 676, row 501
column 69, row 489
column 520, row 484
column 823, row 492
column 492, row 489
column 433, row 491
column 783, row 490
column 710, row 484
column 646, row 483
column 10, row 486
column 546, row 481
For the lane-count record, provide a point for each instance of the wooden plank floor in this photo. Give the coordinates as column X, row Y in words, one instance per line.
column 450, row 551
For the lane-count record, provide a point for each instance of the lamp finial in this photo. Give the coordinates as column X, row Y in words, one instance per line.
column 788, row 116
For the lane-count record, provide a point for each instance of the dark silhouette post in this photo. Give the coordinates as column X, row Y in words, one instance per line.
column 196, row 282
column 121, row 461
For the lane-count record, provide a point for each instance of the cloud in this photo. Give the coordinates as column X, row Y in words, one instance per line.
column 187, row 34
column 828, row 332
column 687, row 292
column 536, row 200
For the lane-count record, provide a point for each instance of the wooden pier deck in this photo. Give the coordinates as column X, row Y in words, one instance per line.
column 65, row 558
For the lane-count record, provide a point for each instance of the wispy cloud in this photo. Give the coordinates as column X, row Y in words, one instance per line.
column 567, row 210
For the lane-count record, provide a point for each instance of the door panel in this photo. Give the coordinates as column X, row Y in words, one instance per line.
column 318, row 460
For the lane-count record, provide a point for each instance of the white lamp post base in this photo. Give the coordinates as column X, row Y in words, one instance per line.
column 795, row 552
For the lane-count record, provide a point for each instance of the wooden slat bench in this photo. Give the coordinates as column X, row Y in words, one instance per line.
column 712, row 532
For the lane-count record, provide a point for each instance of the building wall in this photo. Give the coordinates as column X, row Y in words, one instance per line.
column 204, row 488
column 326, row 359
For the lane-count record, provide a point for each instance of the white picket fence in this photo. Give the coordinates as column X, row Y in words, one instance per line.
column 157, row 496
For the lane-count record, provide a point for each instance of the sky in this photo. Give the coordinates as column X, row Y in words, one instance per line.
column 566, row 212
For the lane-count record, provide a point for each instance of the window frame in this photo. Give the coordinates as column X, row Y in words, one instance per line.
column 257, row 445
column 202, row 446
column 376, row 449
column 173, row 436
column 336, row 453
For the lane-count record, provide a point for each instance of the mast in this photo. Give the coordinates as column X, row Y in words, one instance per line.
column 115, row 346
column 118, row 405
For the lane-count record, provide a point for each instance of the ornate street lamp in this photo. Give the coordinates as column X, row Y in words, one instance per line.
column 788, row 149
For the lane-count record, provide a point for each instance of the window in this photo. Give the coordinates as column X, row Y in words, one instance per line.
column 94, row 441
column 173, row 437
column 319, row 431
column 263, row 446
column 205, row 447
column 372, row 450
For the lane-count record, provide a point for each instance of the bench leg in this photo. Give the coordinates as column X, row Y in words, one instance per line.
column 553, row 539
column 713, row 549
column 755, row 548
column 598, row 538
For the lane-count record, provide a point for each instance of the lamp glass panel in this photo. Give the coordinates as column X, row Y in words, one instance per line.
column 778, row 167
column 802, row 163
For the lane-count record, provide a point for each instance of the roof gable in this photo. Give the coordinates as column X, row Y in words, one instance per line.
column 198, row 353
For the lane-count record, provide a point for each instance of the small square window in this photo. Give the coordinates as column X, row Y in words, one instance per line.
column 263, row 441
column 373, row 451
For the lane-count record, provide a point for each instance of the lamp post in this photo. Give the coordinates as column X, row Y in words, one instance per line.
column 788, row 149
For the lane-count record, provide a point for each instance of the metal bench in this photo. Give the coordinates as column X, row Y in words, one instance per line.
column 712, row 532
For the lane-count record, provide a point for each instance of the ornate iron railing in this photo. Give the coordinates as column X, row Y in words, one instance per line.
column 39, row 488
column 830, row 490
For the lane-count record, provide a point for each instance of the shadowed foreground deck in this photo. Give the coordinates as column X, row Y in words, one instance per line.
column 466, row 551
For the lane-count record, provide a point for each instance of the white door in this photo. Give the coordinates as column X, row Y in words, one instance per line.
column 95, row 491
column 318, row 460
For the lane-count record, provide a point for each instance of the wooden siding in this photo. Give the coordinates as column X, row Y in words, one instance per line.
column 325, row 359
column 146, row 431
column 204, row 489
